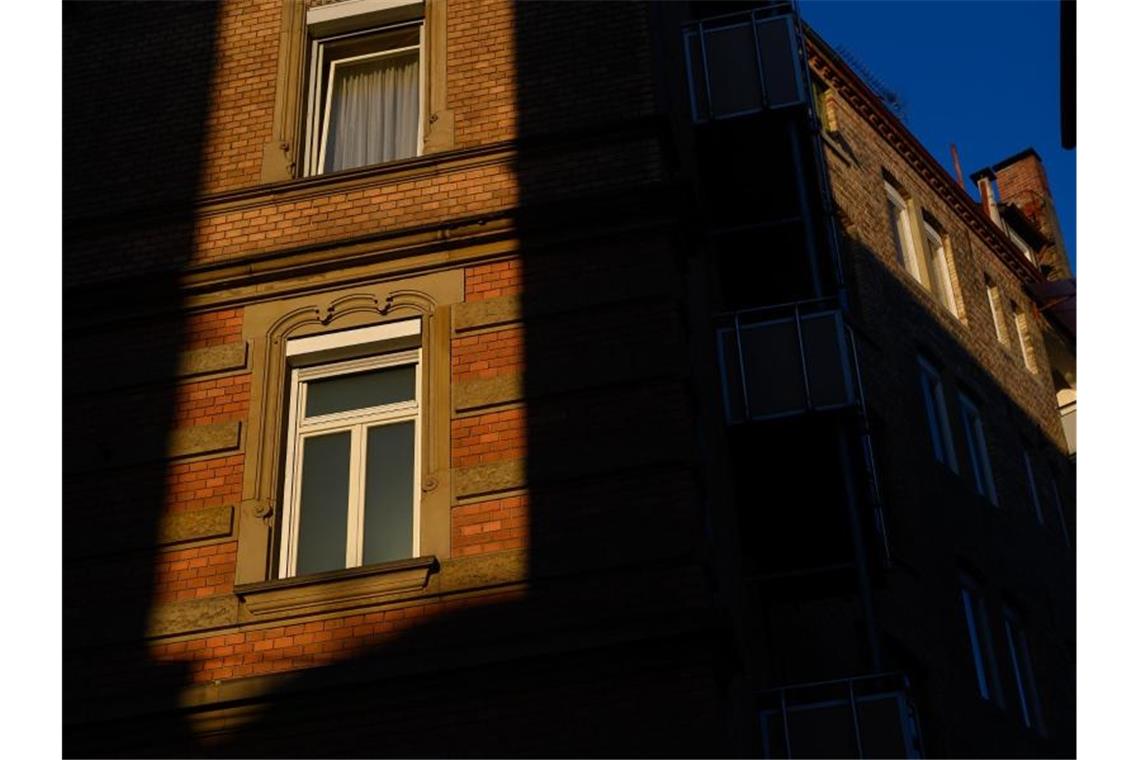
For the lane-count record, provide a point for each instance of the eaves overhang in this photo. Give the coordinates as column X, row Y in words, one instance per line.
column 828, row 65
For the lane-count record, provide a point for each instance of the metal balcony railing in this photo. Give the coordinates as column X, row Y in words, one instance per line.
column 865, row 716
column 744, row 63
column 785, row 360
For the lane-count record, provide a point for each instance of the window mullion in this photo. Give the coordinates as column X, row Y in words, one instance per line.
column 355, row 534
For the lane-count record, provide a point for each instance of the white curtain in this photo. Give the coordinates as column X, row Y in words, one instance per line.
column 375, row 112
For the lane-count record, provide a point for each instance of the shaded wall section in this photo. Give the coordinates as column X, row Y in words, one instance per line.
column 136, row 90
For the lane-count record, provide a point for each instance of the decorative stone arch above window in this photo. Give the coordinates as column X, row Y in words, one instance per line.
column 268, row 326
column 282, row 155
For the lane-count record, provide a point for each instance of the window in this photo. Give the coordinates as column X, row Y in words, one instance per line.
column 1022, row 668
column 1026, row 251
column 365, row 98
column 351, row 464
column 981, row 642
column 1031, row 479
column 899, row 221
column 997, row 312
column 939, row 271
column 976, row 447
column 1023, row 336
column 935, row 403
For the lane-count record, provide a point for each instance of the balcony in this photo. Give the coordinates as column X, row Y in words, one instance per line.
column 866, row 716
column 786, row 360
column 743, row 63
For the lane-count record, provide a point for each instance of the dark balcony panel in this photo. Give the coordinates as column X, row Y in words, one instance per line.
column 733, row 77
column 773, row 377
column 858, row 717
column 783, row 366
column 828, row 368
column 775, row 39
column 742, row 64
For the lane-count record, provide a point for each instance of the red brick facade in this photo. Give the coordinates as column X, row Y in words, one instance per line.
column 554, row 239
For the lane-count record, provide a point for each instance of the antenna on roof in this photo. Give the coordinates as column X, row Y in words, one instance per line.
column 891, row 98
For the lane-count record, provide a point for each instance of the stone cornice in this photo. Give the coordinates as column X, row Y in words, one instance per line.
column 828, row 66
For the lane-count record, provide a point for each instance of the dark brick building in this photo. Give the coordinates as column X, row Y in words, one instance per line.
column 468, row 378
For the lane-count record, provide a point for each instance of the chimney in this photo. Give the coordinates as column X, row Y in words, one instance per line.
column 986, row 187
column 1021, row 181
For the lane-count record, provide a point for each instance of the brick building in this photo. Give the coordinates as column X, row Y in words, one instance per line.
column 632, row 383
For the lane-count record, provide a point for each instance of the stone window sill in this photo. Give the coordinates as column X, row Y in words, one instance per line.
column 335, row 590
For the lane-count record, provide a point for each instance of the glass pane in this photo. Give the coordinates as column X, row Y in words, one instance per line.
column 730, row 367
column 733, row 77
column 779, row 62
column 388, row 492
column 697, row 76
column 360, row 391
column 324, row 503
column 374, row 111
column 826, row 367
column 773, row 368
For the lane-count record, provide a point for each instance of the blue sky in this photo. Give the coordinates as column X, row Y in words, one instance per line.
column 981, row 75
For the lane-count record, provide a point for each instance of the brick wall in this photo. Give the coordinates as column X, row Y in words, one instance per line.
column 938, row 524
column 587, row 386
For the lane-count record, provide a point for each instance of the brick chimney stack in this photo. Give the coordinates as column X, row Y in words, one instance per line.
column 1021, row 181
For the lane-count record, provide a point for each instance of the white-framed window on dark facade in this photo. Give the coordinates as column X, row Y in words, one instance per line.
column 934, row 248
column 981, row 642
column 977, row 448
column 364, row 98
column 1001, row 329
column 934, row 401
column 898, row 218
column 351, row 487
column 1022, row 325
column 1022, row 666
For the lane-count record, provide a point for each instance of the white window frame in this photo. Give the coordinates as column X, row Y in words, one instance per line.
column 898, row 207
column 1022, row 325
column 1001, row 328
column 310, row 352
column 974, row 429
column 939, row 267
column 317, row 119
column 1022, row 665
column 1026, row 251
column 938, row 420
column 1032, row 479
column 981, row 642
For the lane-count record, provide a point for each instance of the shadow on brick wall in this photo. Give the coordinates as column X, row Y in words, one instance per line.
column 136, row 88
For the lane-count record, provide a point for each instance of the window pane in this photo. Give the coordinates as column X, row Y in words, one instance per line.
column 827, row 370
column 361, row 390
column 975, row 643
column 772, row 368
column 779, row 61
column 388, row 495
column 898, row 222
column 324, row 503
column 733, row 76
column 374, row 113
column 697, row 76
